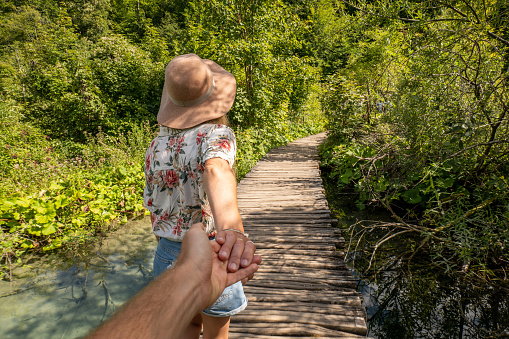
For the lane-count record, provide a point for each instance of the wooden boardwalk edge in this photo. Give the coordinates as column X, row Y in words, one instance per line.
column 303, row 288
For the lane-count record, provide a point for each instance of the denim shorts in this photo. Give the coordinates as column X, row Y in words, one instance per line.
column 231, row 301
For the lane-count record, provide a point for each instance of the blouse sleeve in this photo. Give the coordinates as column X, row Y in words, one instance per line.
column 149, row 188
column 220, row 143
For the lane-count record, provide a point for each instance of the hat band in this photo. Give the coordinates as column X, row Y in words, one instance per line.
column 200, row 99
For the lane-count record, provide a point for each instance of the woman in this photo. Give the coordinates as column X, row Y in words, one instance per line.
column 189, row 178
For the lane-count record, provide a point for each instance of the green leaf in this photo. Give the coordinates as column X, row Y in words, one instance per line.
column 95, row 210
column 78, row 221
column 46, row 208
column 43, row 218
column 35, row 230
column 345, row 177
column 23, row 202
column 61, row 201
column 55, row 187
column 49, row 229
column 54, row 244
column 412, row 196
column 14, row 226
column 27, row 244
column 7, row 204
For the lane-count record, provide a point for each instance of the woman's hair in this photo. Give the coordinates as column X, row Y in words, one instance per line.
column 223, row 120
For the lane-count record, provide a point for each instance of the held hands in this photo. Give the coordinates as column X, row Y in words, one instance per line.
column 213, row 267
column 236, row 248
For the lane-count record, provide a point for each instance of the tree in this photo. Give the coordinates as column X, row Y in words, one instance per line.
column 429, row 81
column 256, row 41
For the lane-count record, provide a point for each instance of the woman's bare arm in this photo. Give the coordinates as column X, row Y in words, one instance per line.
column 221, row 187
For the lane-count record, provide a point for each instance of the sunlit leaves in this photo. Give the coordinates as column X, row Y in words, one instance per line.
column 257, row 42
column 59, row 215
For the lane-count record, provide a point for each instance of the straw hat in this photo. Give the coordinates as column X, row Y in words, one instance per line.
column 195, row 90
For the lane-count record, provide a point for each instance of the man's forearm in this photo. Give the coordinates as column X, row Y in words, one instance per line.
column 162, row 310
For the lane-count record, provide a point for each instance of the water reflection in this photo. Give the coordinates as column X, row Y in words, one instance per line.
column 421, row 302
column 59, row 298
column 416, row 299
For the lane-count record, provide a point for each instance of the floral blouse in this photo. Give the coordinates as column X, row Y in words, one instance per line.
column 174, row 189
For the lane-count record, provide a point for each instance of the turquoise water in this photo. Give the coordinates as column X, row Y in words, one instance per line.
column 58, row 298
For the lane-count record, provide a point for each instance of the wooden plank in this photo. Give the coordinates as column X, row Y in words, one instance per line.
column 287, row 197
column 286, row 204
column 267, row 252
column 303, row 254
column 301, row 231
column 325, row 295
column 311, row 285
column 276, row 226
column 351, row 324
column 255, row 307
column 272, row 297
column 288, row 181
column 301, row 271
column 290, row 239
column 308, row 276
column 305, row 263
column 295, row 199
column 312, row 246
column 284, row 329
column 339, row 335
column 283, row 212
column 343, row 335
column 284, row 219
column 282, row 201
column 287, row 186
column 281, row 171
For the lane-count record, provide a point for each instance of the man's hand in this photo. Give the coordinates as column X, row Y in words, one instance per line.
column 173, row 299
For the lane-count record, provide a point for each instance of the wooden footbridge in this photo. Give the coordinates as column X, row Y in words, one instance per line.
column 303, row 288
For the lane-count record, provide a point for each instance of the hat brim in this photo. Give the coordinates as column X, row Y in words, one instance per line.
column 215, row 106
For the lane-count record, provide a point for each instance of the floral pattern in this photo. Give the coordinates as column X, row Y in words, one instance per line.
column 174, row 163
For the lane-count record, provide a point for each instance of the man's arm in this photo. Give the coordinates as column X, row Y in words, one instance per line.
column 166, row 306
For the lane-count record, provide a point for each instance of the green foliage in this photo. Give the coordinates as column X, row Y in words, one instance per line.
column 50, row 200
column 71, row 210
column 68, row 85
column 418, row 120
column 26, row 154
column 256, row 42
column 90, row 17
column 128, row 79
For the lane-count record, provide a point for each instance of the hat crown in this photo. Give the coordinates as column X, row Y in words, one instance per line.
column 188, row 78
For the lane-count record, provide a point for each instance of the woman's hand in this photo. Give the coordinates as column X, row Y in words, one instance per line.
column 236, row 248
